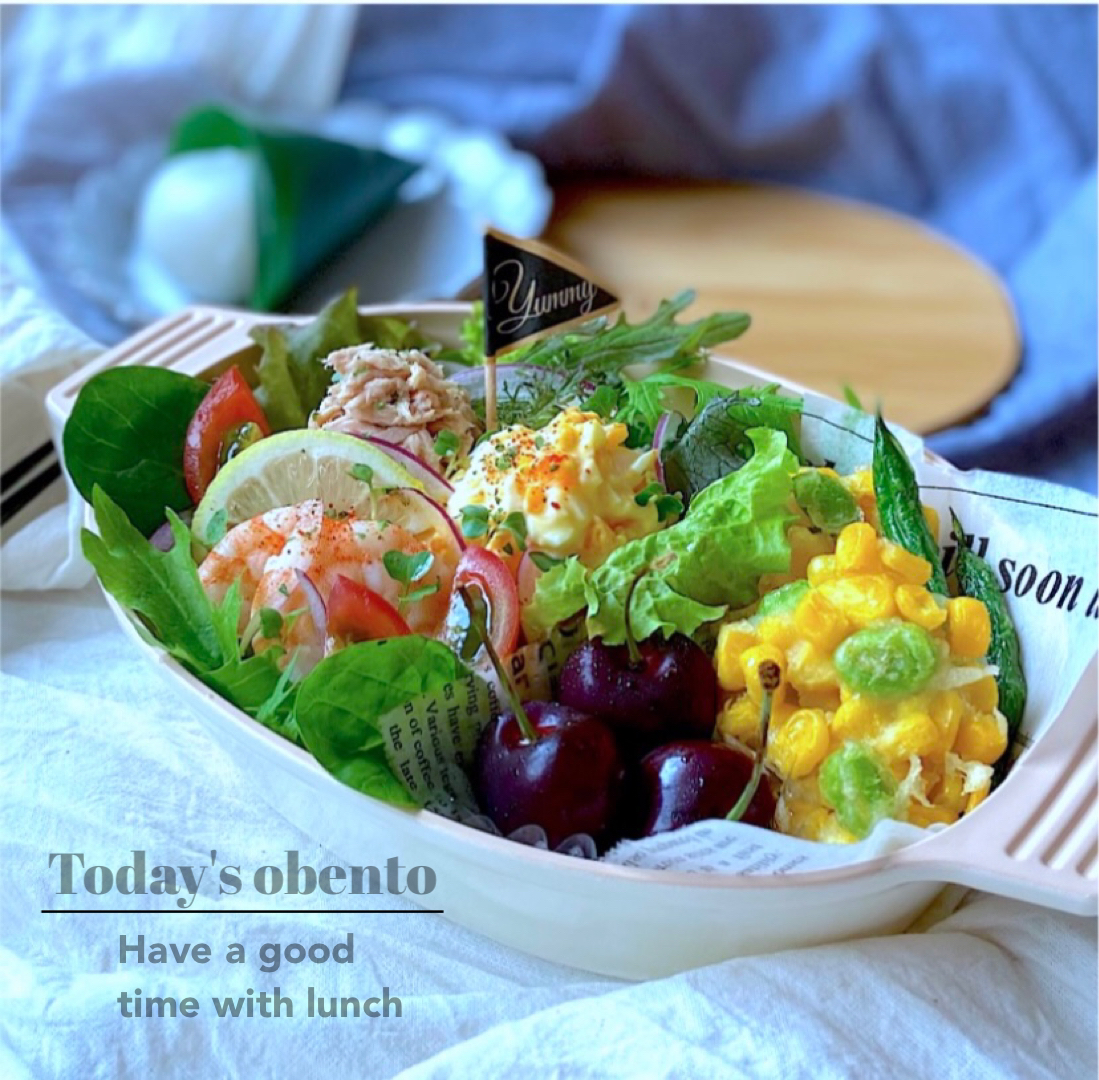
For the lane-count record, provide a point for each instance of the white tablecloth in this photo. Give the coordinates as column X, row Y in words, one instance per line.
column 98, row 758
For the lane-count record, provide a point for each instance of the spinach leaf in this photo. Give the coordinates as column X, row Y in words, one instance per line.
column 126, row 435
column 342, row 700
column 716, row 441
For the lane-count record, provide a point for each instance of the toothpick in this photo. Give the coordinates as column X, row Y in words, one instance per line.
column 490, row 393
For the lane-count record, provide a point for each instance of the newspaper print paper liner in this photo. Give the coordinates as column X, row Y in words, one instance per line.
column 1040, row 538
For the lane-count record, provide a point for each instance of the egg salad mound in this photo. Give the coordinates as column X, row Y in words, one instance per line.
column 574, row 480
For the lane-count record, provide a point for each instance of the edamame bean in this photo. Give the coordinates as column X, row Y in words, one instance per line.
column 826, row 502
column 859, row 787
column 888, row 659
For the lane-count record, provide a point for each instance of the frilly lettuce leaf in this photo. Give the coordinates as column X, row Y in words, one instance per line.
column 734, row 531
column 559, row 596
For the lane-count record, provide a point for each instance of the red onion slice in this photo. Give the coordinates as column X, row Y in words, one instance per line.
column 435, row 484
column 162, row 539
column 315, row 603
column 662, row 434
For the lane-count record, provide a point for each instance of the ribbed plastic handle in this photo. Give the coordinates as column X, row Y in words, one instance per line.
column 1037, row 837
column 189, row 342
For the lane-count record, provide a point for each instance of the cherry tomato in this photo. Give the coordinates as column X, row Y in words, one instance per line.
column 492, row 579
column 228, row 405
column 356, row 613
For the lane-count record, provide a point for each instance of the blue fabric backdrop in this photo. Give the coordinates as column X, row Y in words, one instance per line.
column 979, row 120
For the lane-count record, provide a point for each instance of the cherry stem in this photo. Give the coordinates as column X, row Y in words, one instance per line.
column 769, row 681
column 631, row 642
column 477, row 622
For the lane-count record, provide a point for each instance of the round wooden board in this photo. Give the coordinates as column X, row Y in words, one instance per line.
column 839, row 292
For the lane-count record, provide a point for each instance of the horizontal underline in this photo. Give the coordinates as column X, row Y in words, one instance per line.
column 242, row 911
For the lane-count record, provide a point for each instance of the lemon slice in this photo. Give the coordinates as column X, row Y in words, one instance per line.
column 288, row 468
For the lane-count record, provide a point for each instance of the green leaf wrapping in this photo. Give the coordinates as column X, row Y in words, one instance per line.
column 314, row 195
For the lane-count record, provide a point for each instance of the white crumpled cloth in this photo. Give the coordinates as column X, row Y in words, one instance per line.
column 97, row 756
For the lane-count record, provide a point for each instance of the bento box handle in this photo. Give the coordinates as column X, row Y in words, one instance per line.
column 1036, row 837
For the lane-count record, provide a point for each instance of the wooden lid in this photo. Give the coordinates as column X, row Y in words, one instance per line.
column 839, row 292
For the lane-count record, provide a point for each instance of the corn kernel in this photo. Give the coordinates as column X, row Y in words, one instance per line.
column 814, row 823
column 969, row 628
column 732, row 640
column 931, row 516
column 931, row 772
column 856, row 719
column 808, row 669
column 904, row 564
column 860, row 483
column 739, row 719
column 820, row 622
column 821, row 568
column 863, row 598
column 983, row 695
column 804, row 546
column 857, row 548
column 913, row 733
column 923, row 816
column 947, row 710
column 981, row 737
column 750, row 661
column 919, row 606
column 795, row 816
column 778, row 630
column 798, row 745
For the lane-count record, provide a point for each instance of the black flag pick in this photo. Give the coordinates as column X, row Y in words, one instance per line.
column 531, row 290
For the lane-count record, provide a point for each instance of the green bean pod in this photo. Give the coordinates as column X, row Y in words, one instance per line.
column 899, row 509
column 977, row 579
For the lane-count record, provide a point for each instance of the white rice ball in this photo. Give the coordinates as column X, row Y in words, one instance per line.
column 196, row 226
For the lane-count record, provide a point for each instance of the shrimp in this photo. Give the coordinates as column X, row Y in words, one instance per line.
column 271, row 555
